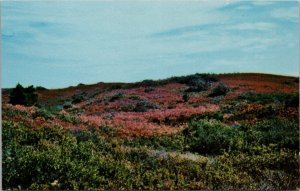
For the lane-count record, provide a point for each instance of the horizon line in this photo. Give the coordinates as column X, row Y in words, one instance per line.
column 158, row 79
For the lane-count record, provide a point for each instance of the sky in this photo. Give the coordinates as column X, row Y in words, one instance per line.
column 57, row 44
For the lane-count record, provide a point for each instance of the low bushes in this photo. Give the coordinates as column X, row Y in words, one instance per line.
column 289, row 99
column 143, row 106
column 185, row 97
column 36, row 159
column 43, row 113
column 146, row 83
column 114, row 97
column 220, row 90
column 208, row 137
column 213, row 137
column 68, row 118
column 292, row 100
column 79, row 97
column 140, row 106
column 59, row 159
column 12, row 112
column 219, row 149
column 169, row 143
column 189, row 78
column 208, row 78
column 197, row 85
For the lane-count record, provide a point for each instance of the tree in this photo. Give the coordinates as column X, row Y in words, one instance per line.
column 23, row 96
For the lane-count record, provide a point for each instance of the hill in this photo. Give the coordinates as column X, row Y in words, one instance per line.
column 202, row 131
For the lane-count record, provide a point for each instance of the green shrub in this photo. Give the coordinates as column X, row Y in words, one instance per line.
column 213, row 137
column 116, row 86
column 290, row 99
column 143, row 106
column 267, row 170
column 134, row 97
column 53, row 158
column 67, row 105
column 23, row 96
column 79, row 97
column 185, row 97
column 268, row 112
column 220, row 90
column 277, row 132
column 11, row 112
column 166, row 142
column 146, row 83
column 43, row 113
column 197, row 85
column 114, row 97
column 127, row 108
column 140, row 106
column 68, row 118
column 171, row 105
column 208, row 78
column 35, row 158
column 208, row 136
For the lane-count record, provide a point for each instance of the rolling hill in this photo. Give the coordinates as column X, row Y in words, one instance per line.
column 201, row 131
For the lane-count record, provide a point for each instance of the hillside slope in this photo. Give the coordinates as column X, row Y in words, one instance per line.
column 202, row 131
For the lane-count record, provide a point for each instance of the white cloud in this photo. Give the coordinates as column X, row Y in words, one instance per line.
column 242, row 8
column 108, row 37
column 259, row 26
column 262, row 3
column 291, row 13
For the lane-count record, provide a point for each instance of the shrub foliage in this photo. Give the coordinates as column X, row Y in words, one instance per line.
column 23, row 96
column 152, row 138
column 245, row 157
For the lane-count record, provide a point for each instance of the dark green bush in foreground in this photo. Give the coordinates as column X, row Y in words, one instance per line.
column 208, row 136
column 213, row 137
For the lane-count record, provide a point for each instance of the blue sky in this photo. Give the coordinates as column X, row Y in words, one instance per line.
column 62, row 43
